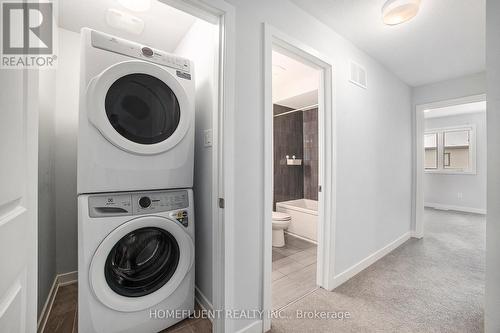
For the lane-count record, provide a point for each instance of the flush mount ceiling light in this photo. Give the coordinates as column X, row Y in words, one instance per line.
column 136, row 5
column 399, row 11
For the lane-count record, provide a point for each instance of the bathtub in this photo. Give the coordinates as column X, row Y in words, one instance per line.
column 304, row 213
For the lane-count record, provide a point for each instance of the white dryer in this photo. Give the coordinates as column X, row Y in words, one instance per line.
column 136, row 123
column 135, row 261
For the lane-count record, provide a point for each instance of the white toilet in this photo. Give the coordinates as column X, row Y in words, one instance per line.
column 281, row 221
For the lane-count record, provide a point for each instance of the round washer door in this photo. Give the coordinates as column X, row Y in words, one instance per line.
column 141, row 263
column 139, row 107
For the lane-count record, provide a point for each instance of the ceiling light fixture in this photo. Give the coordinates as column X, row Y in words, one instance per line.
column 398, row 11
column 136, row 5
column 124, row 21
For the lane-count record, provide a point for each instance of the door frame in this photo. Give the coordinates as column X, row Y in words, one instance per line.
column 419, row 169
column 327, row 166
column 223, row 14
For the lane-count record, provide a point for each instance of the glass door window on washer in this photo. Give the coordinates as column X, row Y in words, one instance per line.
column 142, row 262
column 142, row 108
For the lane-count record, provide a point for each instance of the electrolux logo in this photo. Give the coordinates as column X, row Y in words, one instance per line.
column 28, row 34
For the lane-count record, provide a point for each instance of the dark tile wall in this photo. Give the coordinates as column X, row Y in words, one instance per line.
column 295, row 134
column 288, row 140
column 310, row 135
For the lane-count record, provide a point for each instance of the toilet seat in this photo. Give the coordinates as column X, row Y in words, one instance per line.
column 279, row 216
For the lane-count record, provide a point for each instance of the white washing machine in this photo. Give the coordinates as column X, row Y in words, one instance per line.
column 136, row 123
column 135, row 261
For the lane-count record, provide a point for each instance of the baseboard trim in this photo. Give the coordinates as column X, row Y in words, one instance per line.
column 414, row 234
column 255, row 327
column 302, row 237
column 67, row 278
column 44, row 315
column 455, row 208
column 203, row 301
column 370, row 260
column 60, row 280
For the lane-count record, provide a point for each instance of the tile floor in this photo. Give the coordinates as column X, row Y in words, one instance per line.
column 294, row 271
column 63, row 316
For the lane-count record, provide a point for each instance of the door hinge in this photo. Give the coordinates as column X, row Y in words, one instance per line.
column 221, row 203
column 319, row 188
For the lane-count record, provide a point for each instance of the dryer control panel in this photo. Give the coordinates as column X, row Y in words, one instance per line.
column 137, row 203
column 131, row 49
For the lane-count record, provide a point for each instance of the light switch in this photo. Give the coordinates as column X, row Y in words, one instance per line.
column 207, row 135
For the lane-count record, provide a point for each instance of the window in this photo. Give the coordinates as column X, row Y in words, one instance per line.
column 431, row 151
column 450, row 150
column 456, row 149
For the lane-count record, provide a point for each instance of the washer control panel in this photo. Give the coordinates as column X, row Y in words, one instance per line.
column 136, row 203
column 114, row 44
column 154, row 202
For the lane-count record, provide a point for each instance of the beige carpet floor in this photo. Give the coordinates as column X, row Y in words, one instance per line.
column 435, row 284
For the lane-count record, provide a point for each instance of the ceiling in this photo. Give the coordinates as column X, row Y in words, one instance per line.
column 301, row 101
column 445, row 40
column 164, row 26
column 295, row 84
column 455, row 110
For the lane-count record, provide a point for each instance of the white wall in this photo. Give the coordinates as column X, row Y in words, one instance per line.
column 374, row 197
column 66, row 128
column 200, row 45
column 492, row 319
column 46, row 188
column 444, row 189
column 469, row 85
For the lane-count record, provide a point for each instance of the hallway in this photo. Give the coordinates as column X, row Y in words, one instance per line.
column 435, row 284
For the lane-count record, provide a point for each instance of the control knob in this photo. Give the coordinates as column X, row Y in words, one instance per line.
column 145, row 202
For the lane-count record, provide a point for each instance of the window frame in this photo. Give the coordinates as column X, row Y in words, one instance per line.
column 471, row 170
column 436, row 135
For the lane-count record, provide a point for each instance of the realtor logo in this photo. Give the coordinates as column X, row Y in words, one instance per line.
column 27, row 35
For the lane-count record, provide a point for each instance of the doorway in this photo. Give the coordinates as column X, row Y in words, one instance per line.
column 295, row 178
column 450, row 140
column 299, row 172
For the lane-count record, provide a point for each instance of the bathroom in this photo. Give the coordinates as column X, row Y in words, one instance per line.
column 295, row 177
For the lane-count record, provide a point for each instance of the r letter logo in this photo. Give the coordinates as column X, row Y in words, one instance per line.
column 27, row 35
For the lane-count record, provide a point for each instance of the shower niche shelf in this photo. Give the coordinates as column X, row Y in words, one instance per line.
column 293, row 160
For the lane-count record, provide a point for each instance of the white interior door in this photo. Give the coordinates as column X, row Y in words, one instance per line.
column 18, row 200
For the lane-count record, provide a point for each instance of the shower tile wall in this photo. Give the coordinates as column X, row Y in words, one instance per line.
column 310, row 135
column 288, row 140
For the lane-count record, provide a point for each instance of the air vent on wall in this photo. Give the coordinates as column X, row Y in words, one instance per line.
column 357, row 74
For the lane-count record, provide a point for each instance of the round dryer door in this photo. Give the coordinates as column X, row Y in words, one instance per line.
column 139, row 107
column 141, row 263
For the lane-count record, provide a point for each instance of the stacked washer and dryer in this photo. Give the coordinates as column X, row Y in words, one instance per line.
column 135, row 174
